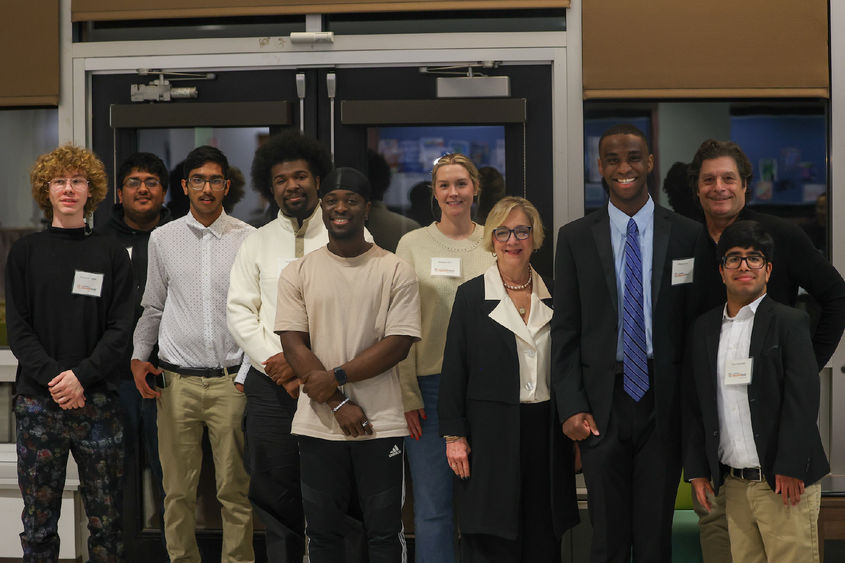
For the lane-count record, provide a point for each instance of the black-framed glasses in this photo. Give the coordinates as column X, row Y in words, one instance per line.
column 135, row 183
column 753, row 261
column 520, row 232
column 198, row 182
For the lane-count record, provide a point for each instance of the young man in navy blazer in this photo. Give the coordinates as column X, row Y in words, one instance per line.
column 751, row 403
column 622, row 306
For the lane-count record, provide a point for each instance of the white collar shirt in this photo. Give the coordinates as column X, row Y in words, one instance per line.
column 533, row 339
column 737, row 447
column 185, row 296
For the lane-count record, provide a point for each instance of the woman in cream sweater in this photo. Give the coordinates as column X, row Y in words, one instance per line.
column 444, row 255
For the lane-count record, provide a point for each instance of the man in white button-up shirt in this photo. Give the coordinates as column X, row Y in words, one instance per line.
column 184, row 303
column 752, row 400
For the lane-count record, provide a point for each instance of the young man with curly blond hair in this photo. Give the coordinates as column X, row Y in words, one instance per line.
column 69, row 310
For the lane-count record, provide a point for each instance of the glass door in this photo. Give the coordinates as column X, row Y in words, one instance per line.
column 393, row 111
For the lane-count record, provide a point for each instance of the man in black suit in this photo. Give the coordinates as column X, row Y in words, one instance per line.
column 720, row 174
column 622, row 306
column 751, row 394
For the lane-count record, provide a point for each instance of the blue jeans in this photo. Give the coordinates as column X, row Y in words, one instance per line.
column 434, row 526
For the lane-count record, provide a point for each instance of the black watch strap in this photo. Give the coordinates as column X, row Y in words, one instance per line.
column 340, row 376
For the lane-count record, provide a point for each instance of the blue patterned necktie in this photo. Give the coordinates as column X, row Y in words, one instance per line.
column 634, row 354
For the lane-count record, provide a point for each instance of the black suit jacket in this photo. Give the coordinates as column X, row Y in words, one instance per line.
column 783, row 396
column 796, row 263
column 584, row 325
column 479, row 399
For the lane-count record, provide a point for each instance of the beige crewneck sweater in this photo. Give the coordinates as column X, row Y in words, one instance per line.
column 437, row 293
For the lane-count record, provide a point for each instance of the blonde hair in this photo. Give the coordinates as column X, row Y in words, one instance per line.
column 64, row 159
column 461, row 160
column 500, row 213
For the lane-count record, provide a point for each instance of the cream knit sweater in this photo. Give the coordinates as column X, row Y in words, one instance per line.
column 437, row 293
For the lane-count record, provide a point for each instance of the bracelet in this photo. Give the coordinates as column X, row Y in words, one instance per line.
column 340, row 404
column 449, row 439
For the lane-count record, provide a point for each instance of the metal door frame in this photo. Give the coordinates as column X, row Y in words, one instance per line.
column 562, row 50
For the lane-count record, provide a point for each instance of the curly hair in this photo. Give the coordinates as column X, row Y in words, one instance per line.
column 62, row 160
column 285, row 147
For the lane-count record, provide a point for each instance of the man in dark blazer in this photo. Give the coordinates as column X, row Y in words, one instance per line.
column 720, row 174
column 618, row 387
column 751, row 394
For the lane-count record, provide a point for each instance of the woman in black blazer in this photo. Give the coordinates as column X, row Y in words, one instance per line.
column 516, row 488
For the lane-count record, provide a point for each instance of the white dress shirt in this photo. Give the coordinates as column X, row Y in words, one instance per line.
column 185, row 297
column 533, row 339
column 737, row 447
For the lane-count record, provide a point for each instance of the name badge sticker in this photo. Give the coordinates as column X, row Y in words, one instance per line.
column 738, row 372
column 682, row 271
column 87, row 283
column 447, row 267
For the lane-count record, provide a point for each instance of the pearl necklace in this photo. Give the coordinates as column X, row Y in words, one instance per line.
column 518, row 287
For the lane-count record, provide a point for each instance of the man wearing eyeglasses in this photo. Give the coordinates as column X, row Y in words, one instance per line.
column 142, row 186
column 751, row 394
column 184, row 302
column 720, row 175
column 69, row 299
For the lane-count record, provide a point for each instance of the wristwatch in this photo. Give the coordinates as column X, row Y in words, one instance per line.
column 340, row 376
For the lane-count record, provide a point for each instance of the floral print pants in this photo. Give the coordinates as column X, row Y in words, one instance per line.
column 45, row 436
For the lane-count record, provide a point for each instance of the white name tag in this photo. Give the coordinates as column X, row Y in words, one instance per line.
column 87, row 283
column 129, row 251
column 449, row 267
column 738, row 372
column 682, row 271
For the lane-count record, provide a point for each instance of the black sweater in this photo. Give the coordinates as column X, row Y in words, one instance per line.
column 138, row 241
column 52, row 329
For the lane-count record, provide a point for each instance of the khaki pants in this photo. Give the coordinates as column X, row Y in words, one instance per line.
column 762, row 529
column 186, row 405
column 713, row 529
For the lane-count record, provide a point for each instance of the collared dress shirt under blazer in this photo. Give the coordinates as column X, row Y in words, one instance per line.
column 736, row 438
column 533, row 339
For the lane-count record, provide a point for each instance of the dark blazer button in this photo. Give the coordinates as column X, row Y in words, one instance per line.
column 716, row 434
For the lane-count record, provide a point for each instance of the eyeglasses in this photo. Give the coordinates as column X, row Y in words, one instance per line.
column 135, row 183
column 754, row 261
column 62, row 183
column 503, row 234
column 198, row 182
